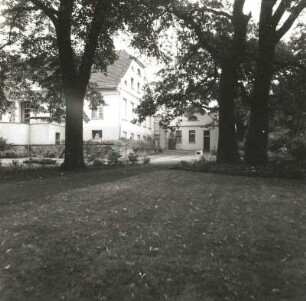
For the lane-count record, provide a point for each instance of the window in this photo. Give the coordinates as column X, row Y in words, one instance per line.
column 97, row 135
column 138, row 72
column 178, row 136
column 13, row 114
column 138, row 87
column 98, row 113
column 132, row 136
column 125, row 83
column 132, row 83
column 145, row 138
column 192, row 118
column 156, row 139
column 57, row 138
column 132, row 110
column 124, row 135
column 124, row 108
column 138, row 137
column 25, row 112
column 192, row 136
column 206, row 145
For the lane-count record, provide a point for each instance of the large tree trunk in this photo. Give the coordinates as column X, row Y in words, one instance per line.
column 256, row 143
column 227, row 144
column 74, row 129
column 257, row 134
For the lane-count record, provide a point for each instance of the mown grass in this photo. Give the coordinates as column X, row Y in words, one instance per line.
column 155, row 235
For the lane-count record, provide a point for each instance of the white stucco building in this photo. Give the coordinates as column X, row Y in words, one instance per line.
column 122, row 90
column 22, row 127
column 196, row 131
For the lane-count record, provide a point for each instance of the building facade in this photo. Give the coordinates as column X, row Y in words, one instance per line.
column 196, row 131
column 122, row 91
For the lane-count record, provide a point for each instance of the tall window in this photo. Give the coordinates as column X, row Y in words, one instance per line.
column 25, row 112
column 132, row 136
column 138, row 87
column 132, row 110
column 138, row 137
column 98, row 113
column 124, row 135
column 57, row 138
column 132, row 83
column 178, row 136
column 192, row 136
column 124, row 108
column 138, row 72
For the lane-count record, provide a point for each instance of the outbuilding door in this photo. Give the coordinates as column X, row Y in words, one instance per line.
column 206, row 146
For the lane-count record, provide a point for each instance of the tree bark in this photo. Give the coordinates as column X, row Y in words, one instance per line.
column 256, row 143
column 74, row 128
column 227, row 144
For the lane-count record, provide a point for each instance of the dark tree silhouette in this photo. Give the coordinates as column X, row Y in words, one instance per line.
column 271, row 29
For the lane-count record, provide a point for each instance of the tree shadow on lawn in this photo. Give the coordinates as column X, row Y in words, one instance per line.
column 213, row 238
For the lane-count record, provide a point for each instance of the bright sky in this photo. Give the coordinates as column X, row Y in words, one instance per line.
column 122, row 42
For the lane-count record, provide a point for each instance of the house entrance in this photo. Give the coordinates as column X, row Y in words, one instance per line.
column 206, row 146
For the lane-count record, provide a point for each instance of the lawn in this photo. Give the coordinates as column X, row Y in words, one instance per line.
column 150, row 234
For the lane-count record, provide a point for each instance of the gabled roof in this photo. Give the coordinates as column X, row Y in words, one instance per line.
column 115, row 72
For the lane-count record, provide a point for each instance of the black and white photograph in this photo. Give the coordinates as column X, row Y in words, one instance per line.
column 152, row 150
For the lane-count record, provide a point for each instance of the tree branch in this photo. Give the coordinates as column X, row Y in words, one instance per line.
column 50, row 12
column 203, row 40
column 282, row 7
column 214, row 11
column 290, row 20
column 93, row 36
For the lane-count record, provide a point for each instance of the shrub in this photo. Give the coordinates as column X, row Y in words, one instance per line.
column 297, row 148
column 98, row 163
column 113, row 157
column 15, row 163
column 94, row 150
column 146, row 160
column 143, row 147
column 11, row 154
column 4, row 145
column 44, row 161
column 50, row 155
column 133, row 158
